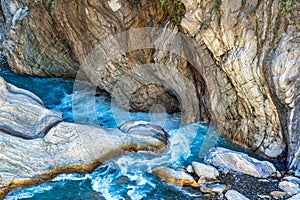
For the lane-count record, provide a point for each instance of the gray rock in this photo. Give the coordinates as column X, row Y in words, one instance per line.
column 213, row 188
column 143, row 131
column 205, row 171
column 22, row 113
column 235, row 195
column 295, row 197
column 292, row 179
column 240, row 162
column 173, row 176
column 66, row 148
column 136, row 127
column 289, row 187
column 248, row 117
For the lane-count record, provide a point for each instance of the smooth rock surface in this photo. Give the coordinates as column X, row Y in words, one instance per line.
column 172, row 176
column 235, row 195
column 22, row 113
column 66, row 148
column 277, row 194
column 239, row 162
column 295, row 197
column 213, row 188
column 289, row 187
column 143, row 131
column 206, row 171
column 292, row 179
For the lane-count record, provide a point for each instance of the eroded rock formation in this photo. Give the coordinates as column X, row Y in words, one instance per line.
column 243, row 76
column 66, row 148
column 22, row 113
column 28, row 156
column 256, row 46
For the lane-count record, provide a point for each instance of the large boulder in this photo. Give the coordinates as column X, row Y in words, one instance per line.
column 66, row 148
column 239, row 162
column 22, row 113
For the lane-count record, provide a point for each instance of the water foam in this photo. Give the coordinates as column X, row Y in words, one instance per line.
column 73, row 177
column 28, row 192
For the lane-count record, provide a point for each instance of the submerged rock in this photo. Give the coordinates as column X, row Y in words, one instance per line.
column 235, row 195
column 213, row 188
column 289, row 187
column 173, row 176
column 205, row 171
column 240, row 162
column 22, row 113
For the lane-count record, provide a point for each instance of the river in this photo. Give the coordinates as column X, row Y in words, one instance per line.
column 125, row 177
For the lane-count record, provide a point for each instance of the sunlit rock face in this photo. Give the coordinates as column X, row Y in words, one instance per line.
column 256, row 46
column 243, row 75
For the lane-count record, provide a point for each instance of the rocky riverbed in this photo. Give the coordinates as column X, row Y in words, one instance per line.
column 232, row 175
column 62, row 147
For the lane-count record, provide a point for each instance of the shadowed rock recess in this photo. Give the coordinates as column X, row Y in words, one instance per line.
column 246, row 78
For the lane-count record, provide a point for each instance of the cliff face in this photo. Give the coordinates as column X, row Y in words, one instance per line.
column 256, row 45
column 244, row 75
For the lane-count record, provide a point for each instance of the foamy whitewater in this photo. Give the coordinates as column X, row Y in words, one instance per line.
column 125, row 177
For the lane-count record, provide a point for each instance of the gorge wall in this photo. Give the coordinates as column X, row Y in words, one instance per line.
column 243, row 76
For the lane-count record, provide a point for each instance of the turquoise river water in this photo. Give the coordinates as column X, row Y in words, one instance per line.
column 125, row 177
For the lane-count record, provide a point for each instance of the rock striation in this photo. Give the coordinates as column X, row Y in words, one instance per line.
column 36, row 146
column 22, row 113
column 255, row 45
column 66, row 148
column 239, row 162
column 243, row 75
